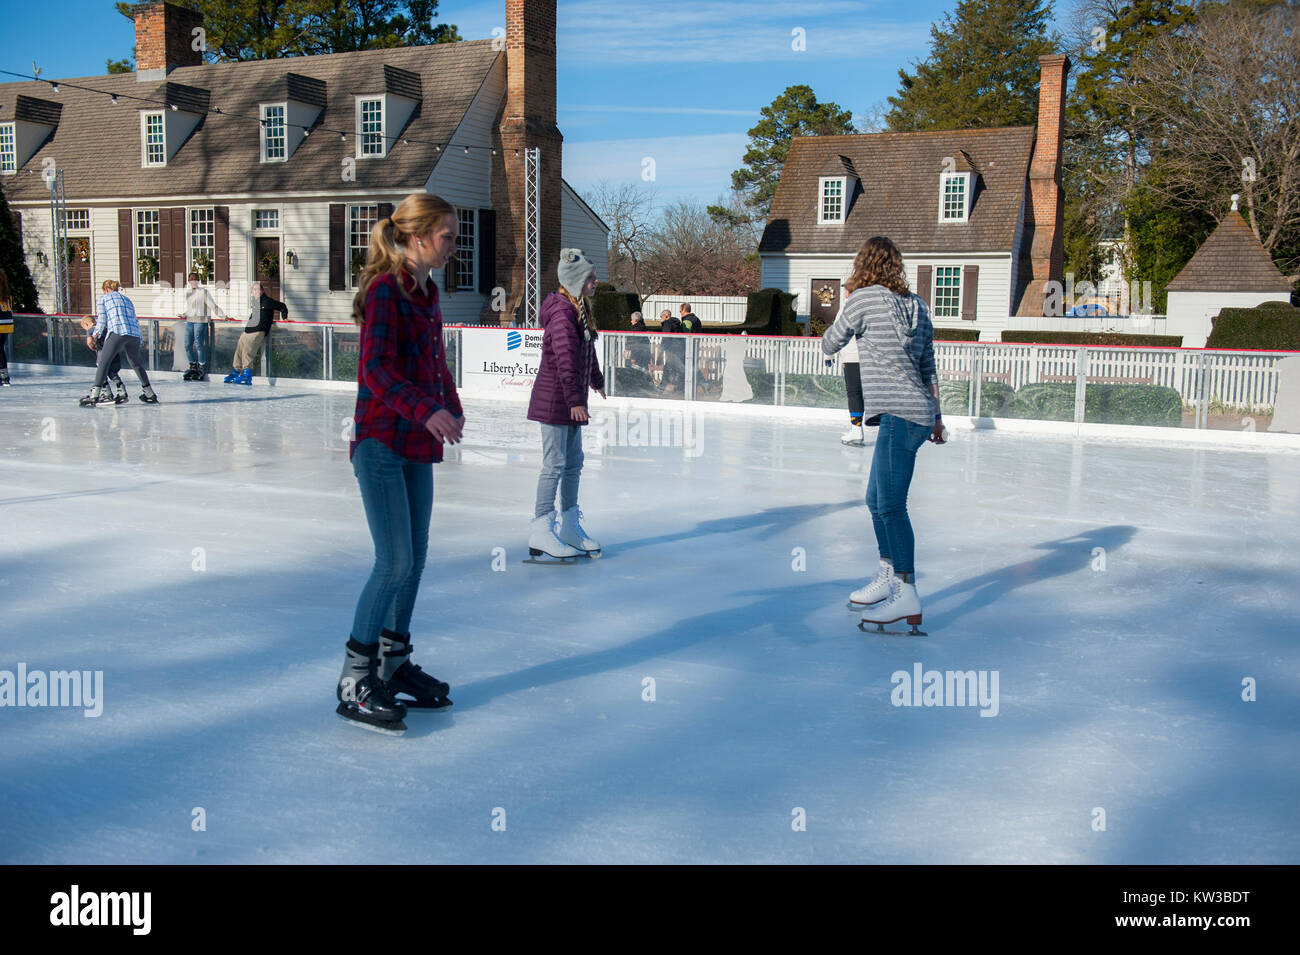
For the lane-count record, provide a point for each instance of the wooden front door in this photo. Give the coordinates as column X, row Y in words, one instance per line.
column 81, row 299
column 824, row 300
column 266, row 264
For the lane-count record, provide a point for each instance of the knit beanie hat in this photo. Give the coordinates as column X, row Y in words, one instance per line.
column 574, row 269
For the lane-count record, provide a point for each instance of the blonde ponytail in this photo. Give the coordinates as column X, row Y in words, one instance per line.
column 584, row 313
column 418, row 214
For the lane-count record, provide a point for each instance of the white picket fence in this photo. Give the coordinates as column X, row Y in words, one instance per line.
column 710, row 308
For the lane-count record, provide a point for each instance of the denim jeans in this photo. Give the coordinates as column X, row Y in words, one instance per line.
column 196, row 342
column 892, row 464
column 561, row 465
column 398, row 498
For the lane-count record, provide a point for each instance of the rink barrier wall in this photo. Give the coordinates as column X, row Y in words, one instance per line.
column 768, row 374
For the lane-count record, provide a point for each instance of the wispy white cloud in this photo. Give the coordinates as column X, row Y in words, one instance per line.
column 720, row 32
column 685, row 167
column 683, row 110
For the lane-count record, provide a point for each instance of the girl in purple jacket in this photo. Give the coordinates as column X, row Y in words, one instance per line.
column 559, row 403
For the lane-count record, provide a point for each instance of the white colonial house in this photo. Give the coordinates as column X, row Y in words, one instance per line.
column 976, row 213
column 277, row 169
column 1231, row 269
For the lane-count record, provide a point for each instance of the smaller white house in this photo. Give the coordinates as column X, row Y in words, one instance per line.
column 1230, row 270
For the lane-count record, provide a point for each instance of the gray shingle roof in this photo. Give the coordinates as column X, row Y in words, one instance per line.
column 1230, row 260
column 899, row 196
column 97, row 145
column 33, row 110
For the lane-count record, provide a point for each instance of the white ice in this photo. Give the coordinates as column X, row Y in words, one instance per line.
column 1120, row 671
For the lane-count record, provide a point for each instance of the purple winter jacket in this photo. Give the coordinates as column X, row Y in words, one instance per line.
column 569, row 365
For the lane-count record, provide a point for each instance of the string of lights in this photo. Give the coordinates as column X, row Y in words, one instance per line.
column 307, row 131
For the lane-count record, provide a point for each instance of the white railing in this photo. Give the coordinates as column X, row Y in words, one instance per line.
column 1126, row 324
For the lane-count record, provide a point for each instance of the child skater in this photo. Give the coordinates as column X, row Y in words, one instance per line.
column 900, row 391
column 559, row 402
column 407, row 408
column 117, row 392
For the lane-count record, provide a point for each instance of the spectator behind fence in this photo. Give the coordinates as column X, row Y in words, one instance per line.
column 638, row 346
column 6, row 327
column 117, row 323
column 200, row 307
column 261, row 314
column 116, row 394
column 690, row 321
column 674, row 352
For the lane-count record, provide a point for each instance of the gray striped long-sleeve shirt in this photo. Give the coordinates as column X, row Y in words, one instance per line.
column 895, row 350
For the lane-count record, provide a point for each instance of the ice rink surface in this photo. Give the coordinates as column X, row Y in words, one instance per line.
column 206, row 555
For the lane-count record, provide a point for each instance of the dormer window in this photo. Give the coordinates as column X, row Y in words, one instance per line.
column 274, row 144
column 370, row 127
column 8, row 149
column 153, row 139
column 954, row 196
column 832, row 192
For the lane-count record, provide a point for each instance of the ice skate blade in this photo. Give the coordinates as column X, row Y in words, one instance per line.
column 387, row 729
column 880, row 629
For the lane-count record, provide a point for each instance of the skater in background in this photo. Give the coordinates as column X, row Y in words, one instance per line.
column 900, row 394
column 6, row 328
column 117, row 393
column 674, row 375
column 256, row 333
column 200, row 307
column 559, row 403
column 407, row 408
column 637, row 353
column 117, row 326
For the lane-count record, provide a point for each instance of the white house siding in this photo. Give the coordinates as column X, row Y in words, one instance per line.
column 465, row 180
column 794, row 274
column 1191, row 314
column 579, row 229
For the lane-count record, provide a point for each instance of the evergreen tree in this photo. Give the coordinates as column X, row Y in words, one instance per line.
column 982, row 70
column 12, row 262
column 796, row 112
column 267, row 29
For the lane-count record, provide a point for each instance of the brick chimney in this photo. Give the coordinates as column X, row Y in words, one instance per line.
column 164, row 39
column 1045, row 210
column 527, row 120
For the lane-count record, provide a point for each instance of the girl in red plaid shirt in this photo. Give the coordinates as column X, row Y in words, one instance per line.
column 407, row 408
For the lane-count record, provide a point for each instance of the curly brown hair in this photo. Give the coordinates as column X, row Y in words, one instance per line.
column 878, row 262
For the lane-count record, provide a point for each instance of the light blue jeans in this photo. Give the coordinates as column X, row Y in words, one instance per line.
column 196, row 342
column 892, row 465
column 398, row 498
column 561, row 466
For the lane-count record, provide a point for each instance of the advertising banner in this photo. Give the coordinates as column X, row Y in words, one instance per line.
column 500, row 361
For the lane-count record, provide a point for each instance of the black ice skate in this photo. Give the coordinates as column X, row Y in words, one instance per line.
column 400, row 675
column 363, row 701
column 91, row 399
column 149, row 397
column 193, row 371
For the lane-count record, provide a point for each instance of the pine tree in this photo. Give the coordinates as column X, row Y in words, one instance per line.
column 14, row 265
column 796, row 112
column 982, row 70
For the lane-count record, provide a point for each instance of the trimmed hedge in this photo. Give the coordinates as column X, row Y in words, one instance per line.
column 801, row 391
column 956, row 334
column 769, row 311
column 996, row 399
column 633, row 382
column 1096, row 339
column 1272, row 326
column 1102, row 404
column 613, row 310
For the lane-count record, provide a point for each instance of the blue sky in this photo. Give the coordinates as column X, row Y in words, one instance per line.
column 677, row 81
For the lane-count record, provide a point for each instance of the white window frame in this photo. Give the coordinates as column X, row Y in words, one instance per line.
column 8, row 149
column 942, row 311
column 466, row 264
column 266, row 228
column 79, row 214
column 136, row 248
column 144, row 138
column 967, row 184
column 382, row 133
column 822, row 183
column 263, row 137
column 191, row 248
column 364, row 242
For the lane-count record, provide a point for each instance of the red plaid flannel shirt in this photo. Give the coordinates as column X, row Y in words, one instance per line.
column 402, row 377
